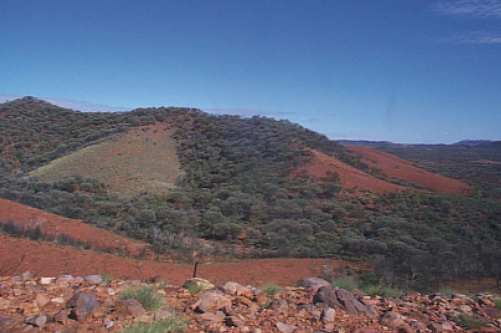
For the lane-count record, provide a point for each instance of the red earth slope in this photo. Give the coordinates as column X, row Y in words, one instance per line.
column 322, row 165
column 395, row 167
column 48, row 259
column 54, row 225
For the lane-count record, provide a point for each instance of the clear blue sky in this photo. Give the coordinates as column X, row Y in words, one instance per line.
column 399, row 70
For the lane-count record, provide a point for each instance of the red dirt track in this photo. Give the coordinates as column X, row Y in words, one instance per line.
column 395, row 167
column 47, row 259
column 54, row 225
column 322, row 165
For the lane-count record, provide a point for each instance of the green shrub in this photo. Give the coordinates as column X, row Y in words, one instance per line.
column 146, row 295
column 469, row 322
column 346, row 282
column 271, row 289
column 169, row 325
column 497, row 301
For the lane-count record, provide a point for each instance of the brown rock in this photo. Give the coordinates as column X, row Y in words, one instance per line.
column 212, row 301
column 82, row 305
column 217, row 317
column 37, row 321
column 131, row 307
column 286, row 328
column 42, row 300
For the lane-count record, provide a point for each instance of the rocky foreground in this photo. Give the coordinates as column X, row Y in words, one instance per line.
column 68, row 304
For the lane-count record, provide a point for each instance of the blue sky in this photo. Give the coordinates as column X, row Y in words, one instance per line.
column 398, row 70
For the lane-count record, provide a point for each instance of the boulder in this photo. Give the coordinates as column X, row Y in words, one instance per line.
column 81, row 305
column 353, row 305
column 47, row 280
column 212, row 301
column 131, row 307
column 236, row 289
column 327, row 296
column 313, row 284
column 198, row 284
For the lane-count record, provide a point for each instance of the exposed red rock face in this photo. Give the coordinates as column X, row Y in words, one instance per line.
column 395, row 167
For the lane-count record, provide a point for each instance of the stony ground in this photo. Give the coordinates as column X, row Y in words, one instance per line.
column 68, row 304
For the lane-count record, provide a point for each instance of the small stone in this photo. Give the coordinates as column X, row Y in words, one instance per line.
column 37, row 321
column 57, row 300
column 328, row 315
column 47, row 280
column 26, row 276
column 108, row 323
column 93, row 279
column 42, row 300
column 163, row 313
column 4, row 303
column 217, row 317
column 198, row 285
column 61, row 316
column 286, row 328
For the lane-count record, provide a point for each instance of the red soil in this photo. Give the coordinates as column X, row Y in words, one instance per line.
column 322, row 165
column 395, row 167
column 54, row 225
column 48, row 259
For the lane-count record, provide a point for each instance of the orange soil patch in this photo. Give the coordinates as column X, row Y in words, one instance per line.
column 54, row 225
column 395, row 167
column 143, row 159
column 322, row 165
column 48, row 259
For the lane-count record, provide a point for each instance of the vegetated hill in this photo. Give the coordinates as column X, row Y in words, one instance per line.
column 322, row 167
column 237, row 188
column 397, row 168
column 141, row 160
column 459, row 161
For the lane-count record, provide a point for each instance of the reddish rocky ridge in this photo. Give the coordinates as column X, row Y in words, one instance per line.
column 322, row 165
column 55, row 225
column 397, row 168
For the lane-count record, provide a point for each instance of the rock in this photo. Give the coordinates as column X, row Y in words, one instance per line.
column 82, row 305
column 108, row 324
column 4, row 303
column 286, row 328
column 198, row 284
column 236, row 289
column 61, row 316
column 93, row 279
column 313, row 284
column 163, row 313
column 42, row 300
column 212, row 301
column 328, row 315
column 27, row 276
column 326, row 295
column 395, row 321
column 234, row 321
column 37, row 321
column 131, row 307
column 217, row 317
column 57, row 300
column 47, row 280
column 64, row 279
column 6, row 323
column 353, row 305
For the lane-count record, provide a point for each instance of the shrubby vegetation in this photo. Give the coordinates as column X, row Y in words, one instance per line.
column 237, row 190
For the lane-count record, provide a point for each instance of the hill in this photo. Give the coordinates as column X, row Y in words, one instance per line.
column 235, row 188
column 397, row 168
column 142, row 159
